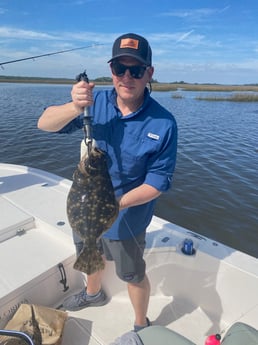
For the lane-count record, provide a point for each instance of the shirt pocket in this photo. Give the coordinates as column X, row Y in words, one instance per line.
column 136, row 153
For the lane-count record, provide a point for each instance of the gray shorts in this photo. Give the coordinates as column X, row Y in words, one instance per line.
column 127, row 256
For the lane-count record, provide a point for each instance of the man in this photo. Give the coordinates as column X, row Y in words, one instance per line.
column 139, row 138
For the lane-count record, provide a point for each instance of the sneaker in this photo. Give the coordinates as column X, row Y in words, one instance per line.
column 139, row 328
column 82, row 300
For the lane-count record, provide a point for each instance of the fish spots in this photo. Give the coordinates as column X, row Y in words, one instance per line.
column 91, row 208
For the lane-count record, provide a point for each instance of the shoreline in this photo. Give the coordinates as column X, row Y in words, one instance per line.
column 156, row 86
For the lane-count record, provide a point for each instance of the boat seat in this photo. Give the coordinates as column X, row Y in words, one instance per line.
column 163, row 336
column 15, row 220
column 240, row 334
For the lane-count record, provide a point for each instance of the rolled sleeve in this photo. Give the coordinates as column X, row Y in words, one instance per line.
column 160, row 182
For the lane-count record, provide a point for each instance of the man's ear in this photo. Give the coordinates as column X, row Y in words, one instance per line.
column 150, row 71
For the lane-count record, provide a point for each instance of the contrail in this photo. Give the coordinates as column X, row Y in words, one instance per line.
column 184, row 36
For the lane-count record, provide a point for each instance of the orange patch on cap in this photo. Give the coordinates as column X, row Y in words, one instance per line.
column 129, row 43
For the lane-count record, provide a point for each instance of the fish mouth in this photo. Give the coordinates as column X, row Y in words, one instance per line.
column 93, row 162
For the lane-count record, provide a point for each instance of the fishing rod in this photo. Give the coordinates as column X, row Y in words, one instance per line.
column 48, row 54
column 87, row 120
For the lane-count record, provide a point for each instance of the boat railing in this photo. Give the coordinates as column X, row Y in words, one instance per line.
column 17, row 334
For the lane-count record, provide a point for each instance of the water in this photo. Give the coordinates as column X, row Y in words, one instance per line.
column 215, row 190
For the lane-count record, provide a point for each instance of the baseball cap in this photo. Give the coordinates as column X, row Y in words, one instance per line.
column 132, row 45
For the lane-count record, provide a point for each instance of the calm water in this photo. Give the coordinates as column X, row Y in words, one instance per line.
column 215, row 189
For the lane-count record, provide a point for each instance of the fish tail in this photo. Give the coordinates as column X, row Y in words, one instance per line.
column 89, row 261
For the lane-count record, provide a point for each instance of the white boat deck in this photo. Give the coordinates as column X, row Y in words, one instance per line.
column 193, row 295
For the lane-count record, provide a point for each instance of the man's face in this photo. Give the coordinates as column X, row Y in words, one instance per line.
column 127, row 87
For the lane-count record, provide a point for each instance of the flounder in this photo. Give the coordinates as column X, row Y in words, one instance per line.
column 91, row 208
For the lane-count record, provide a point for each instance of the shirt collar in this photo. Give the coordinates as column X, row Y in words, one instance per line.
column 113, row 98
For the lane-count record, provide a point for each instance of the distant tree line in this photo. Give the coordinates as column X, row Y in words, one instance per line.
column 109, row 80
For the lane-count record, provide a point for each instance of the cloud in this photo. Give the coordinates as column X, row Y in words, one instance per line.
column 177, row 55
column 80, row 36
column 10, row 32
column 177, row 44
column 195, row 14
column 216, row 72
column 200, row 12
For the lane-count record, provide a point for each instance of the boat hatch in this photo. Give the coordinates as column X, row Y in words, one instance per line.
column 14, row 221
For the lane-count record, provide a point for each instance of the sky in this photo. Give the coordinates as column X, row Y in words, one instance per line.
column 195, row 41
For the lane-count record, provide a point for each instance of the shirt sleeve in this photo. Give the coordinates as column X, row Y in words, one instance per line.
column 72, row 126
column 161, row 165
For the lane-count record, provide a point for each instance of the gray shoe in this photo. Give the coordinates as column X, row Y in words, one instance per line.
column 82, row 300
column 139, row 328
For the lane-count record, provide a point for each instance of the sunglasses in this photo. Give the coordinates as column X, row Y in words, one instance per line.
column 136, row 71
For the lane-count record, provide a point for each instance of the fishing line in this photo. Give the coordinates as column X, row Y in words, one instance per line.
column 133, row 235
column 48, row 54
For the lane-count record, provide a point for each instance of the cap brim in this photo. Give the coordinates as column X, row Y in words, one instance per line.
column 128, row 54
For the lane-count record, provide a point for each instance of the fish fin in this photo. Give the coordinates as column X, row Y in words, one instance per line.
column 89, row 261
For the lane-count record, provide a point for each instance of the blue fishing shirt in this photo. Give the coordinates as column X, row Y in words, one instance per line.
column 140, row 148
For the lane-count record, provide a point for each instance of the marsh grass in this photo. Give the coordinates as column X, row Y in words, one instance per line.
column 177, row 95
column 244, row 93
column 238, row 97
column 203, row 87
